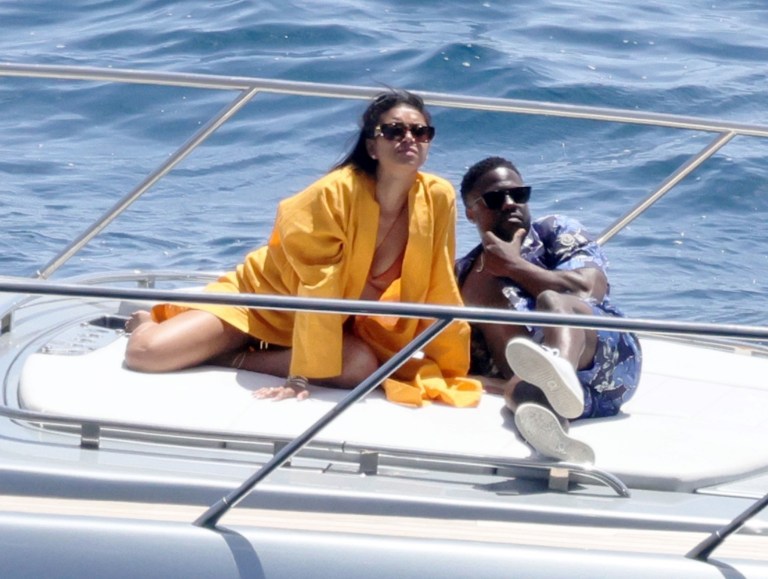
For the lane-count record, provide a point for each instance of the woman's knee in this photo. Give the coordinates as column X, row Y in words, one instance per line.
column 138, row 357
column 184, row 341
column 142, row 353
column 359, row 362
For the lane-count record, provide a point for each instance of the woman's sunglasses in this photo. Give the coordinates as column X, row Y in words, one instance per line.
column 494, row 200
column 397, row 131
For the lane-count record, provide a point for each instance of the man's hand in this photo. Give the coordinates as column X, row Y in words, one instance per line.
column 503, row 259
column 499, row 255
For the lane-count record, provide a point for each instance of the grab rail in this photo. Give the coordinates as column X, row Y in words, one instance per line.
column 91, row 430
column 401, row 309
column 251, row 86
column 444, row 315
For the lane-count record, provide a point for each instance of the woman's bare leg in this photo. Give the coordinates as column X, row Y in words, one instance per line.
column 195, row 337
column 184, row 341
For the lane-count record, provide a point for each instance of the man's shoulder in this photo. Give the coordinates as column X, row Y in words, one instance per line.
column 557, row 221
column 462, row 265
column 551, row 227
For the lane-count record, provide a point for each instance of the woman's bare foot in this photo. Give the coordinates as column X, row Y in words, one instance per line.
column 138, row 318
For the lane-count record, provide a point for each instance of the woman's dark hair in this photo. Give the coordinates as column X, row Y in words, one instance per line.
column 358, row 156
column 479, row 169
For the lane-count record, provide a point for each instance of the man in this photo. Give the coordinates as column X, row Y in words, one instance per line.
column 548, row 375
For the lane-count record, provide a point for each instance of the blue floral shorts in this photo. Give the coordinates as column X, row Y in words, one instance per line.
column 608, row 383
column 614, row 375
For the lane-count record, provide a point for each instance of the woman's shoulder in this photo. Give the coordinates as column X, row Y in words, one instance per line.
column 345, row 174
column 332, row 188
column 340, row 179
column 436, row 181
column 436, row 186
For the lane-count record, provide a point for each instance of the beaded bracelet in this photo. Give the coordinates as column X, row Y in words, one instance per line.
column 298, row 381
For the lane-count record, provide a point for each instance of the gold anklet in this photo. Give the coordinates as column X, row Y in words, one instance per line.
column 237, row 361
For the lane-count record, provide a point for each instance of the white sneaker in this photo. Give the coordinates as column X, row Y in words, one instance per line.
column 545, row 368
column 542, row 430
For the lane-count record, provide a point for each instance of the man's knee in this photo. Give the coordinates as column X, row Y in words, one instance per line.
column 554, row 301
column 551, row 301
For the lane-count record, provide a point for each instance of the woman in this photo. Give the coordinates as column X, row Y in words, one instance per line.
column 373, row 228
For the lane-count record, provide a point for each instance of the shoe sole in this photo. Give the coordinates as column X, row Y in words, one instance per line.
column 542, row 430
column 532, row 365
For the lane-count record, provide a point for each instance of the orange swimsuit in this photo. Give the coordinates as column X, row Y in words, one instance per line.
column 375, row 285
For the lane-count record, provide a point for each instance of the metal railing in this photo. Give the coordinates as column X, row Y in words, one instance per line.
column 249, row 87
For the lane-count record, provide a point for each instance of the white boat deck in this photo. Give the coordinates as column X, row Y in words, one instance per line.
column 688, row 426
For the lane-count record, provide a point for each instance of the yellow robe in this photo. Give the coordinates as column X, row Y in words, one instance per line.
column 322, row 246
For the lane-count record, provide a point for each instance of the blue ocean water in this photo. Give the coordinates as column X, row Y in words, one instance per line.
column 69, row 151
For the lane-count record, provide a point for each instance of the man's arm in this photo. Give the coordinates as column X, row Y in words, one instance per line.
column 504, row 259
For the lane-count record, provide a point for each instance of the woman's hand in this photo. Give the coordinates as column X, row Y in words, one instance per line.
column 294, row 387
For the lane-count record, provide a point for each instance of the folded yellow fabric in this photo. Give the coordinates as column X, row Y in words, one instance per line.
column 429, row 385
column 421, row 380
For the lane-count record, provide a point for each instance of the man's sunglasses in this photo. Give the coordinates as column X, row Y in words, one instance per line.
column 397, row 131
column 494, row 200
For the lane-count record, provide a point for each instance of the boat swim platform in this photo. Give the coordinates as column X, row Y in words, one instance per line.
column 692, row 423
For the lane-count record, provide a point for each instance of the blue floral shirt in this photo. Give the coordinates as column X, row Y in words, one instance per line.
column 554, row 242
